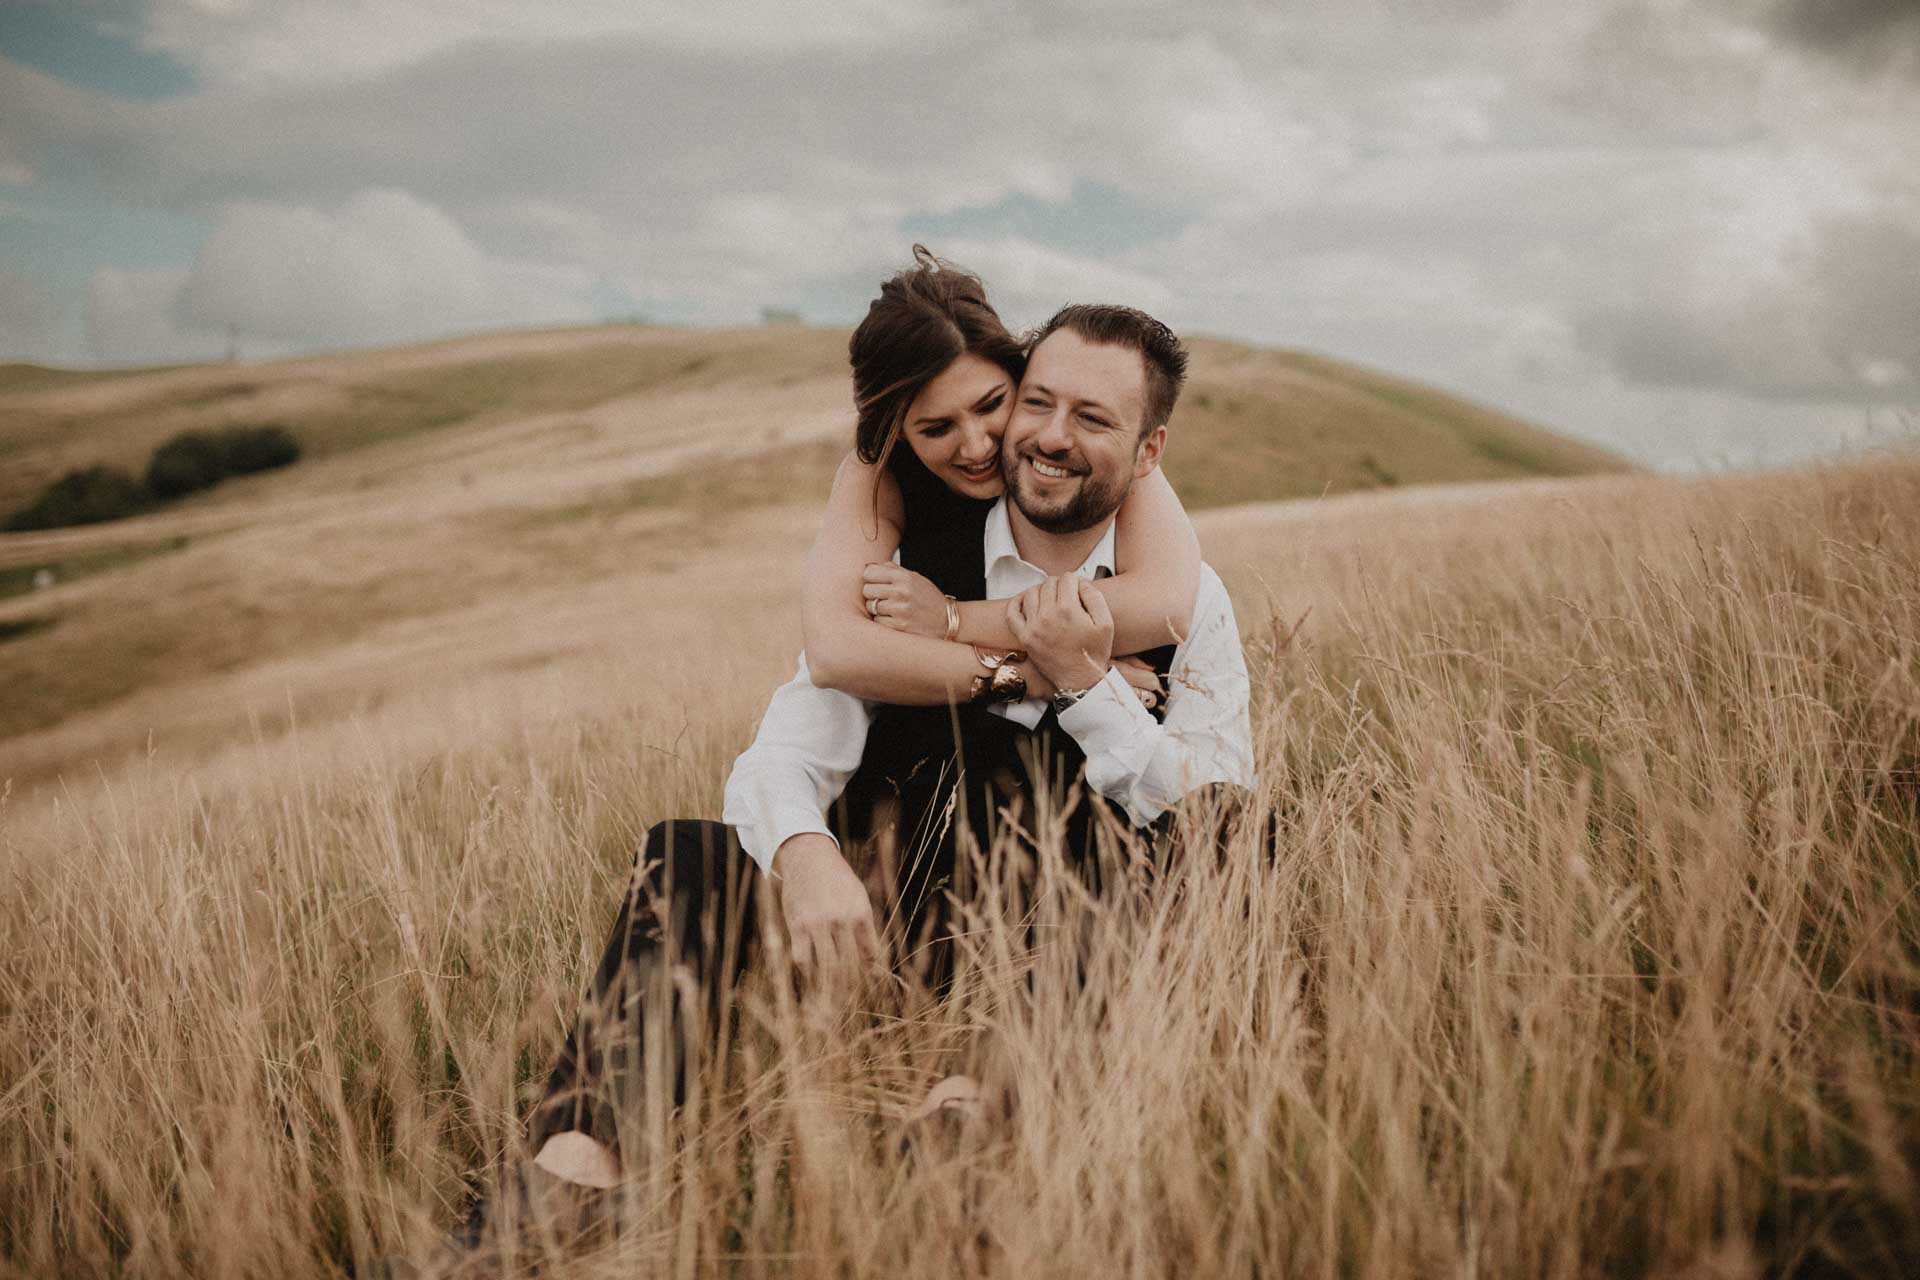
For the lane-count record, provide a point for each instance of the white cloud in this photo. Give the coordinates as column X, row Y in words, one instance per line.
column 1565, row 206
column 1802, row 289
column 32, row 320
column 384, row 267
column 1028, row 282
column 260, row 44
column 131, row 319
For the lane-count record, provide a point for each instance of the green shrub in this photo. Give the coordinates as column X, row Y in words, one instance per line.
column 87, row 496
column 195, row 460
column 189, row 462
column 250, row 449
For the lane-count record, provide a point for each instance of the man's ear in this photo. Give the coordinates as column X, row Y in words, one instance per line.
column 1146, row 456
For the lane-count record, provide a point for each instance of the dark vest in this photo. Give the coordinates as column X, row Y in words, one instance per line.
column 920, row 758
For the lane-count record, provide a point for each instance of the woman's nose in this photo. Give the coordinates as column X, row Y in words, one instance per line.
column 977, row 443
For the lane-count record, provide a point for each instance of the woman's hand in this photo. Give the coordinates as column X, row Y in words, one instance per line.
column 902, row 599
column 1144, row 680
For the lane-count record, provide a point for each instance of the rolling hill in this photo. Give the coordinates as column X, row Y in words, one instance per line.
column 458, row 499
column 1255, row 423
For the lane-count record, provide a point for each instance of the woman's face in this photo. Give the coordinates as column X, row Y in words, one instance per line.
column 954, row 425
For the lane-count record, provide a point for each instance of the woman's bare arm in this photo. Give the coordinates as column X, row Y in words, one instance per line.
column 847, row 650
column 1156, row 563
column 1156, row 557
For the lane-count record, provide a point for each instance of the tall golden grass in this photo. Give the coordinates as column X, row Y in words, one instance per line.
column 1572, row 932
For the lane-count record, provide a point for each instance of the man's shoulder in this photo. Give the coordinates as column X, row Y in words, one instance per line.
column 1213, row 633
column 1212, row 597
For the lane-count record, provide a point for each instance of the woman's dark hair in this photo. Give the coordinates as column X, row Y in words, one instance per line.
column 925, row 318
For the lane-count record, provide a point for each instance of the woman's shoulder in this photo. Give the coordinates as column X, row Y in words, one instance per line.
column 867, row 488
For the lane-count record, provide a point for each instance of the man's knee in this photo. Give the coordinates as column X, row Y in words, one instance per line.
column 682, row 849
column 689, row 860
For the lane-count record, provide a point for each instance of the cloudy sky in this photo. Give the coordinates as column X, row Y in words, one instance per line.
column 1688, row 230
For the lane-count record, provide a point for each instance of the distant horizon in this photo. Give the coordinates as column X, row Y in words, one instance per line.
column 1838, row 449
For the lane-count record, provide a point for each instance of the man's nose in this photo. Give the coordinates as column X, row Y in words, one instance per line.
column 1055, row 436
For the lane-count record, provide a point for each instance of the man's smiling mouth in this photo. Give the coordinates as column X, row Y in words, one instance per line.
column 1050, row 471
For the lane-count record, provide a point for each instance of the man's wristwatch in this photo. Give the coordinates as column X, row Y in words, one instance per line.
column 1067, row 697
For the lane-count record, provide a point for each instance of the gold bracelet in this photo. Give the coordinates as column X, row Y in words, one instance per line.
column 953, row 618
column 1005, row 682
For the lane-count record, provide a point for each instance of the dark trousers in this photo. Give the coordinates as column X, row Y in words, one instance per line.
column 687, row 929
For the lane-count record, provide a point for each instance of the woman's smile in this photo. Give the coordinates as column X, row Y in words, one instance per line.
column 982, row 473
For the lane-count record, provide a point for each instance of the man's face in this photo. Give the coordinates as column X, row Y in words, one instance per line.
column 1073, row 446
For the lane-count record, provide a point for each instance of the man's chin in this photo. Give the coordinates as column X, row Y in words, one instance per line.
column 1069, row 516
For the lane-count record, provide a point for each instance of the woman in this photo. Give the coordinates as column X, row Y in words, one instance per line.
column 935, row 374
column 935, row 371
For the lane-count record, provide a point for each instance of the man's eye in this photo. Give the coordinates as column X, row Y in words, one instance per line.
column 1034, row 402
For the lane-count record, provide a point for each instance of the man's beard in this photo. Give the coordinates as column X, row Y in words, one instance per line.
column 1090, row 504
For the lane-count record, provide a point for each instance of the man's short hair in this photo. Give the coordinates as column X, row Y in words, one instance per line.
column 1164, row 359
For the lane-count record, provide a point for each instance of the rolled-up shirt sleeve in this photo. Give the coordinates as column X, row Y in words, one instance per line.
column 809, row 744
column 1145, row 765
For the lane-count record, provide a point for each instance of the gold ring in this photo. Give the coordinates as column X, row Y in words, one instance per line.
column 873, row 610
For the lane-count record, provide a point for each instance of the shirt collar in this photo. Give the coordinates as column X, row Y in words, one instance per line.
column 999, row 544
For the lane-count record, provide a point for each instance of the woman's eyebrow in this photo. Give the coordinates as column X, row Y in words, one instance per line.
column 991, row 395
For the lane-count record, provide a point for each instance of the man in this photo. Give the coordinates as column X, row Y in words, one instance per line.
column 1090, row 419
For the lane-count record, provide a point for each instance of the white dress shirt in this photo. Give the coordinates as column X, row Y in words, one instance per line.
column 811, row 739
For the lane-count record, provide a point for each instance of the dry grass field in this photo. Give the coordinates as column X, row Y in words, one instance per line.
column 1573, row 931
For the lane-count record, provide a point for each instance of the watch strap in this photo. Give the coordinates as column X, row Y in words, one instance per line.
column 1065, row 698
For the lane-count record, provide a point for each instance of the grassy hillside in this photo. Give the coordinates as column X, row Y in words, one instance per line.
column 52, row 420
column 1571, row 933
column 1256, row 424
column 467, row 475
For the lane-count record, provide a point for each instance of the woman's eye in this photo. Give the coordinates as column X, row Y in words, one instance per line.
column 991, row 405
column 934, row 432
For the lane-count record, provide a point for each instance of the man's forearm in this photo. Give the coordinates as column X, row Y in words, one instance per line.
column 808, row 745
column 1145, row 766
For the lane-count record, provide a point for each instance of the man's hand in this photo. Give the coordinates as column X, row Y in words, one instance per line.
column 1064, row 626
column 829, row 921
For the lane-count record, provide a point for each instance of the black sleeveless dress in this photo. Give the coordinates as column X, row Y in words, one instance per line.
column 941, row 768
